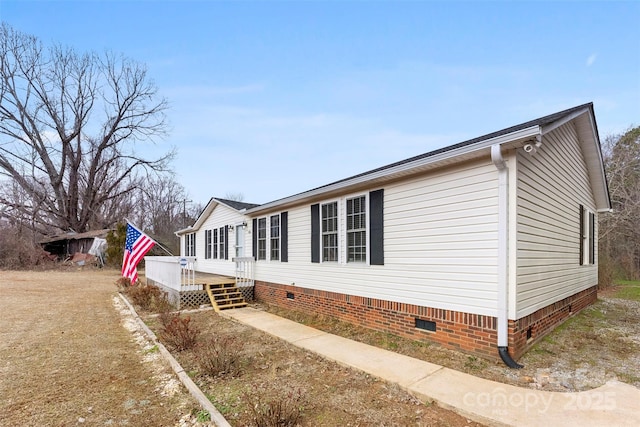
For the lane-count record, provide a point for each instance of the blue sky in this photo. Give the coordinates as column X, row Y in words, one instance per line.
column 269, row 99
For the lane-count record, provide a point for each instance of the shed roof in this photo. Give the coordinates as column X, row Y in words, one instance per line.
column 76, row 236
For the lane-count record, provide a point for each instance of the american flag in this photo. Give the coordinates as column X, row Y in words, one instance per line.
column 135, row 247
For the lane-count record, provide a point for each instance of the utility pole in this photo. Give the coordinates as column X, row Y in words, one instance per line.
column 184, row 212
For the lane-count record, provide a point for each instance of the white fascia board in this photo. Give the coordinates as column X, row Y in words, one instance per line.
column 402, row 168
column 548, row 128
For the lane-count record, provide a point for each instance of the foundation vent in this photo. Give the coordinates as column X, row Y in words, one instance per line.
column 426, row 325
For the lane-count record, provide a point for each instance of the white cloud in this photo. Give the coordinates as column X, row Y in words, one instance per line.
column 591, row 59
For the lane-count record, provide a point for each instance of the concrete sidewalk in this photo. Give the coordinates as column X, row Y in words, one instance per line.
column 484, row 401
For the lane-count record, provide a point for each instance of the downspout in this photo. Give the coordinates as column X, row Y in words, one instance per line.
column 503, row 253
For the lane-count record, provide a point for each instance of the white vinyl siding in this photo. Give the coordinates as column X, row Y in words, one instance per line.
column 440, row 244
column 551, row 186
column 219, row 217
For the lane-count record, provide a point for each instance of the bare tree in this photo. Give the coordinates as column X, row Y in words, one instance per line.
column 69, row 123
column 620, row 230
column 235, row 196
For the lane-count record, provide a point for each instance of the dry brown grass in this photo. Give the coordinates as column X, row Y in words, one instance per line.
column 65, row 358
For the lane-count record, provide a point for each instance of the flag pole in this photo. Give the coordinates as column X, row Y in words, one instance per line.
column 157, row 243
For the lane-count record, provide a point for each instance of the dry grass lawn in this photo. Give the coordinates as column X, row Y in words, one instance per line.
column 66, row 359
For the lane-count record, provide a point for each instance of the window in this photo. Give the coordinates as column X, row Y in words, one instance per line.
column 357, row 229
column 587, row 236
column 207, row 244
column 215, row 244
column 223, row 243
column 275, row 237
column 262, row 238
column 270, row 238
column 330, row 231
column 190, row 244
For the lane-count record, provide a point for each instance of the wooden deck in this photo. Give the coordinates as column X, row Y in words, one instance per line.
column 212, row 279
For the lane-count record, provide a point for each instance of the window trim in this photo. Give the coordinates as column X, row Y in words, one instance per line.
column 190, row 244
column 273, row 240
column 222, row 243
column 364, row 229
column 261, row 254
column 207, row 244
column 587, row 236
column 337, row 232
column 214, row 244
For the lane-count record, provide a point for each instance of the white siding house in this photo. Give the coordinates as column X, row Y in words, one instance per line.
column 487, row 243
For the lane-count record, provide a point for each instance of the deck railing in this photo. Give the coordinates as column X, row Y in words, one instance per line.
column 177, row 273
column 245, row 271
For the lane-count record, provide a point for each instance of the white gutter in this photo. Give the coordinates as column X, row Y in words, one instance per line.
column 503, row 254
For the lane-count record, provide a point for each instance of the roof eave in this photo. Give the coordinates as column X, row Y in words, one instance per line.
column 588, row 132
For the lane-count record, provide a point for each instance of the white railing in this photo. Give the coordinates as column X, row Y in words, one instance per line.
column 245, row 271
column 177, row 273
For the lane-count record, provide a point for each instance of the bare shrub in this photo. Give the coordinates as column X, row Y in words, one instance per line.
column 274, row 405
column 178, row 332
column 219, row 356
column 123, row 284
column 18, row 251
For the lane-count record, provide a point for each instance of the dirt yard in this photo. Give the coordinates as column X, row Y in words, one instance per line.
column 67, row 360
column 69, row 355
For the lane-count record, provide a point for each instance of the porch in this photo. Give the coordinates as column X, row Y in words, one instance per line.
column 187, row 287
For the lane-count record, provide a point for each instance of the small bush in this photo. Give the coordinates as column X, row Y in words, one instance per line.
column 275, row 406
column 147, row 297
column 123, row 284
column 220, row 356
column 178, row 332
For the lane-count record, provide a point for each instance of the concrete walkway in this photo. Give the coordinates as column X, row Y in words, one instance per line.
column 484, row 401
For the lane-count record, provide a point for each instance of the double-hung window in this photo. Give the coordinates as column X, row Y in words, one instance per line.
column 330, row 231
column 262, row 238
column 190, row 244
column 207, row 244
column 223, row 243
column 349, row 230
column 357, row 229
column 274, row 237
column 215, row 244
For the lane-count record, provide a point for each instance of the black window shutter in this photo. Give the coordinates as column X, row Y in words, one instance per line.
column 284, row 237
column 592, row 240
column 581, row 235
column 376, row 227
column 254, row 239
column 226, row 242
column 315, row 233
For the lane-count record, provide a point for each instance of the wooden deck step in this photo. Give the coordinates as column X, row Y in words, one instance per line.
column 224, row 295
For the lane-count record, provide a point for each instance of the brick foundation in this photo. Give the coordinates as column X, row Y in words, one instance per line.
column 546, row 319
column 471, row 333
